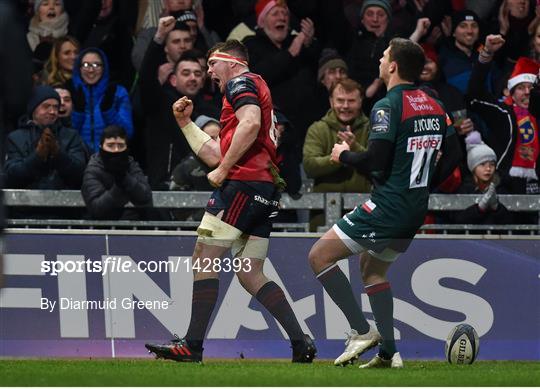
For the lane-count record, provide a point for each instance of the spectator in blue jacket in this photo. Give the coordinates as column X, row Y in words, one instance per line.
column 97, row 103
column 459, row 53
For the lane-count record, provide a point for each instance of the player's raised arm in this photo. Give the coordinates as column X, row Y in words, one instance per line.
column 249, row 123
column 204, row 147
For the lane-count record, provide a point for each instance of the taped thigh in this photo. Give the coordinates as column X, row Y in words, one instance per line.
column 215, row 232
column 250, row 247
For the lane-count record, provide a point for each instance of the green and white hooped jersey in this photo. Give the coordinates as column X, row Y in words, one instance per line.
column 416, row 124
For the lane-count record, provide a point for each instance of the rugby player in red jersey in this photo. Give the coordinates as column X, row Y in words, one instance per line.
column 238, row 214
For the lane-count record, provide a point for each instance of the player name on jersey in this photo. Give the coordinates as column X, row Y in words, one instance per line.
column 429, row 124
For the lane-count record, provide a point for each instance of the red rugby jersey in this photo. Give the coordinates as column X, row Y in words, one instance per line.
column 249, row 88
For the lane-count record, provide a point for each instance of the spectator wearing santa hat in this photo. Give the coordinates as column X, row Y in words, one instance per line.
column 512, row 124
column 287, row 61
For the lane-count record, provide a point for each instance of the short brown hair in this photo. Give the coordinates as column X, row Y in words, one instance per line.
column 349, row 85
column 232, row 46
column 409, row 57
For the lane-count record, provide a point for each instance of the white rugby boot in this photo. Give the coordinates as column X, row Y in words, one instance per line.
column 356, row 345
column 377, row 362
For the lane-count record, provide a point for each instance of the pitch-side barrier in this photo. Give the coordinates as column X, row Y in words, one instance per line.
column 333, row 205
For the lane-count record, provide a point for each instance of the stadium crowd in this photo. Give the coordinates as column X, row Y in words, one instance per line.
column 87, row 87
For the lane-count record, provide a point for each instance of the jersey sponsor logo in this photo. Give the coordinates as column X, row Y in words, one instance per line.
column 427, row 124
column 264, row 201
column 423, row 148
column 417, row 102
column 424, row 142
column 380, row 120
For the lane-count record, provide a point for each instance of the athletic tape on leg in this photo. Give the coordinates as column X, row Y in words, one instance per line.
column 214, row 231
column 255, row 248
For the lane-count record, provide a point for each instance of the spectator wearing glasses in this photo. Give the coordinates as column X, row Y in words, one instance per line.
column 97, row 102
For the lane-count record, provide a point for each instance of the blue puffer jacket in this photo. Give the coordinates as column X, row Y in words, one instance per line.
column 93, row 120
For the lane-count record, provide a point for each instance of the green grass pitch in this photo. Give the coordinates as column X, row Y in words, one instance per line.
column 140, row 372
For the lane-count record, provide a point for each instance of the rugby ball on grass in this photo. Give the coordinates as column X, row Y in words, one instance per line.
column 462, row 345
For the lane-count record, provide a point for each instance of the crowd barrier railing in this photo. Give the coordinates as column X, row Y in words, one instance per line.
column 333, row 205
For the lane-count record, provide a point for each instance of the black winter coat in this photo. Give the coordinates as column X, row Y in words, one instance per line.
column 105, row 198
column 164, row 142
column 292, row 80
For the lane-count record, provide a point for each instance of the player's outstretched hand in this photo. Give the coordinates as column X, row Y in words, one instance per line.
column 217, row 176
column 182, row 110
column 337, row 150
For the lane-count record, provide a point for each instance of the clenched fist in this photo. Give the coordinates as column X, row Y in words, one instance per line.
column 182, row 110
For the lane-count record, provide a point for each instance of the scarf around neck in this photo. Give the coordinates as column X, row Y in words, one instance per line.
column 55, row 28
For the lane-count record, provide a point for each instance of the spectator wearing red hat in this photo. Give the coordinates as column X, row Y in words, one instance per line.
column 287, row 61
column 513, row 126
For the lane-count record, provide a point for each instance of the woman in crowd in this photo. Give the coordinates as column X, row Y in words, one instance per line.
column 97, row 102
column 59, row 67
